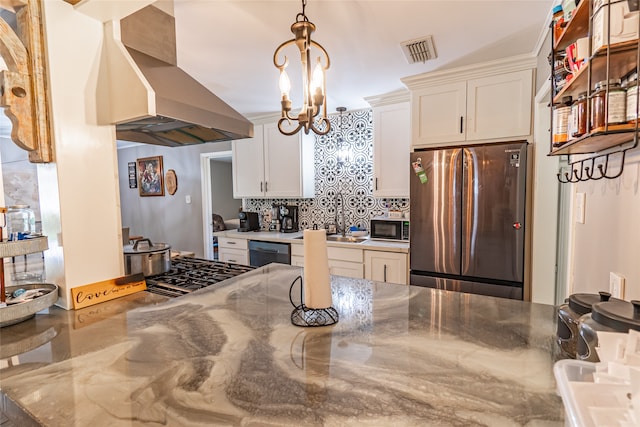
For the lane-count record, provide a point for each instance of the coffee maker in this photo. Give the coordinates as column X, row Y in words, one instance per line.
column 248, row 221
column 288, row 219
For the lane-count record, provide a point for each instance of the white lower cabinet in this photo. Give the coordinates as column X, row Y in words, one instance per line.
column 390, row 267
column 233, row 250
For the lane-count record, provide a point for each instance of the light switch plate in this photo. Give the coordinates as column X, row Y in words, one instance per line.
column 580, row 207
column 616, row 285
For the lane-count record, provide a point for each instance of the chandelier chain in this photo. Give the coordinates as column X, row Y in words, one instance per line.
column 302, row 14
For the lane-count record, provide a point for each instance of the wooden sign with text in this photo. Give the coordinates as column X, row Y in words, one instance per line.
column 95, row 293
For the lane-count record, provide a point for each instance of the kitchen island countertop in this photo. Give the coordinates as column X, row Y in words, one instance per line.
column 228, row 355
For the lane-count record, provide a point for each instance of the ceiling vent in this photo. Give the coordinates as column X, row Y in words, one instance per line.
column 419, row 50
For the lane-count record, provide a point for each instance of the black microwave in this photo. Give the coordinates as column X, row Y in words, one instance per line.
column 385, row 228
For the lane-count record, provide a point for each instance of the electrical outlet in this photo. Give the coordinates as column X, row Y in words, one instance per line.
column 616, row 285
column 187, row 198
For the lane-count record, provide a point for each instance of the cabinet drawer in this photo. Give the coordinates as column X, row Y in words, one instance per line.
column 341, row 254
column 298, row 261
column 236, row 256
column 232, row 243
column 347, row 269
column 297, row 250
column 344, row 254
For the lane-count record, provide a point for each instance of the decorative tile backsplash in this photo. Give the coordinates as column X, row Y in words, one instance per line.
column 353, row 179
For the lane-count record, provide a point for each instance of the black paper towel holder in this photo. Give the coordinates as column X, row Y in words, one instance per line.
column 311, row 317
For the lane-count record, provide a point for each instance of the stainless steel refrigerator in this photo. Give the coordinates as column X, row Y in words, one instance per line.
column 468, row 219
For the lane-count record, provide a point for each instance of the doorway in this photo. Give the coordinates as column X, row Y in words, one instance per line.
column 217, row 194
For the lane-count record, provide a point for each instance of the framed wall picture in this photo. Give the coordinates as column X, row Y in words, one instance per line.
column 150, row 174
column 133, row 179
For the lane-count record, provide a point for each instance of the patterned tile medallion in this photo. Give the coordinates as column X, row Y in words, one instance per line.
column 351, row 181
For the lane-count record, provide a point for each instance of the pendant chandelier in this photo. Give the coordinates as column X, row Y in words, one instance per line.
column 313, row 114
column 343, row 149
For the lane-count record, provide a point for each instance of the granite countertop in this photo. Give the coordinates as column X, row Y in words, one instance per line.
column 273, row 236
column 228, row 355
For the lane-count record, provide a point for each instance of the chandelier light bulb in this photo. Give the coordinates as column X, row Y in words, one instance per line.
column 318, row 78
column 285, row 84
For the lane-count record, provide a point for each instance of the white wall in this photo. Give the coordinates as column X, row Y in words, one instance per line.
column 545, row 207
column 609, row 240
column 168, row 219
column 79, row 199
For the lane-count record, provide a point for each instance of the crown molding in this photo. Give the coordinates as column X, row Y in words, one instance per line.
column 390, row 98
column 482, row 69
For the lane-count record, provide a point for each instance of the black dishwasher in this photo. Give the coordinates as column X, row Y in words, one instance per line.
column 262, row 253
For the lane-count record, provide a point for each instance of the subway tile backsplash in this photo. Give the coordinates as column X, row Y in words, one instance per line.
column 354, row 179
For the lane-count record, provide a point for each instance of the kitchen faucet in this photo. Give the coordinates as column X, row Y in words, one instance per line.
column 344, row 227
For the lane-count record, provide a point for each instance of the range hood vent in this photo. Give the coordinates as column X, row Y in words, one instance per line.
column 419, row 50
column 153, row 100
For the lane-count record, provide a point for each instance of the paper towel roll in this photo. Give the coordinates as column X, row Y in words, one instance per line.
column 316, row 284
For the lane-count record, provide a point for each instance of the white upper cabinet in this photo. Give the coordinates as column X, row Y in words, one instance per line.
column 273, row 165
column 391, row 146
column 248, row 165
column 439, row 113
column 500, row 106
column 483, row 103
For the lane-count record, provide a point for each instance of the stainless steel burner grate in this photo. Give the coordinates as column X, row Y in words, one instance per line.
column 190, row 274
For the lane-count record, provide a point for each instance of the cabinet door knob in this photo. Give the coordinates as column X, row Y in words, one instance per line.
column 461, row 121
column 385, row 273
column 376, row 183
column 261, row 186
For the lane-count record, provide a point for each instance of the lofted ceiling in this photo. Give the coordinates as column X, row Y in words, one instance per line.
column 228, row 45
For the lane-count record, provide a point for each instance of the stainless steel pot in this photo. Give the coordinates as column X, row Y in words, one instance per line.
column 147, row 258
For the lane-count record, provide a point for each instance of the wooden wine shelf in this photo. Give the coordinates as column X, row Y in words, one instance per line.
column 608, row 62
column 622, row 60
column 598, row 140
column 576, row 28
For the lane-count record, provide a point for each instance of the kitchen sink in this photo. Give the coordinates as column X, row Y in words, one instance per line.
column 339, row 238
column 348, row 239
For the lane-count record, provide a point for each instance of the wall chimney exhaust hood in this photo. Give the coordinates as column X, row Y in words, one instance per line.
column 149, row 98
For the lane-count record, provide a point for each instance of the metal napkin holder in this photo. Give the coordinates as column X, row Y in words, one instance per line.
column 310, row 317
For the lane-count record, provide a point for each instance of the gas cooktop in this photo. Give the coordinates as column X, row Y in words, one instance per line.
column 190, row 274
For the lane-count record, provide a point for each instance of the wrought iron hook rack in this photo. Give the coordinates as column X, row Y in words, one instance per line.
column 586, row 169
